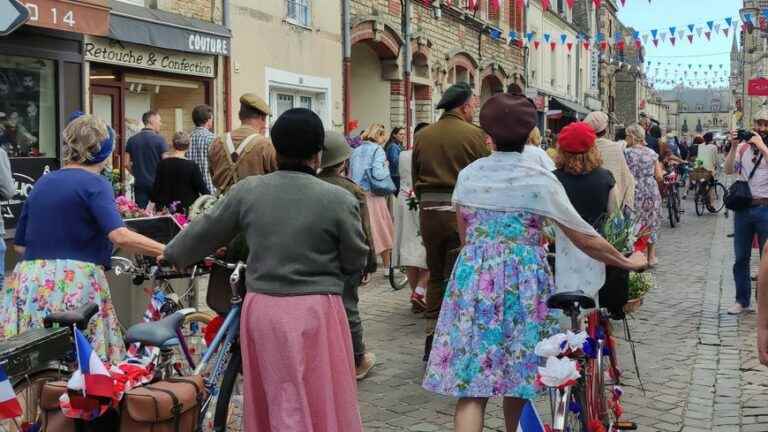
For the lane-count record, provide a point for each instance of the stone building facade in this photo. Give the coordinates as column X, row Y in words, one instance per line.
column 700, row 110
column 751, row 63
column 449, row 44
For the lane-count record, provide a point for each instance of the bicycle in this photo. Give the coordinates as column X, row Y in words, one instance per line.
column 710, row 193
column 43, row 355
column 596, row 398
column 671, row 193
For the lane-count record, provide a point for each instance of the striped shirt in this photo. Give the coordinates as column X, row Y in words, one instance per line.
column 200, row 142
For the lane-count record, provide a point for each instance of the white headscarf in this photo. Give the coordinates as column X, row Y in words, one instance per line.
column 506, row 181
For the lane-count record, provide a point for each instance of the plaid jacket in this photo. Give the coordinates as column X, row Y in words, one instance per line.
column 200, row 142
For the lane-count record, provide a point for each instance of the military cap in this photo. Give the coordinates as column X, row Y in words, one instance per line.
column 255, row 102
column 336, row 149
column 456, row 96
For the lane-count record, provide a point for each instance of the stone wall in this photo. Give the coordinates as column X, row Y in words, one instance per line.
column 625, row 106
column 204, row 10
column 451, row 43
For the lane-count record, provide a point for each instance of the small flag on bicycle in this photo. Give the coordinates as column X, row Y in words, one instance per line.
column 91, row 378
column 529, row 419
column 9, row 404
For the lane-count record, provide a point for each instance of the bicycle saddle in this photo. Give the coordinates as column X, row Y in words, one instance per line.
column 161, row 334
column 78, row 317
column 569, row 300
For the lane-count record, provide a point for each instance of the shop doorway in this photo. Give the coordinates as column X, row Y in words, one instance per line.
column 106, row 104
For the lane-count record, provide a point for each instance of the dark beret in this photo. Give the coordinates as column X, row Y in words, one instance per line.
column 456, row 96
column 508, row 118
column 298, row 133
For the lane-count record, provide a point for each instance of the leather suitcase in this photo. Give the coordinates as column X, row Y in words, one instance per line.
column 53, row 420
column 34, row 350
column 165, row 406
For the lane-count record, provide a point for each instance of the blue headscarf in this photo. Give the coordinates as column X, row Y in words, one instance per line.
column 106, row 146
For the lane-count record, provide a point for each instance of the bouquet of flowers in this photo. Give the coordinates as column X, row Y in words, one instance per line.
column 639, row 284
column 626, row 234
column 113, row 175
column 411, row 199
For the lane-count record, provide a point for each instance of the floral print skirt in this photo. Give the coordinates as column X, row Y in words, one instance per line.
column 494, row 312
column 40, row 287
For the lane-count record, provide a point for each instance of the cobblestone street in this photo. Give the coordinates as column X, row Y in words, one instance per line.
column 698, row 365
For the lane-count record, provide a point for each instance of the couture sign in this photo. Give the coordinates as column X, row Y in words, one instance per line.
column 110, row 51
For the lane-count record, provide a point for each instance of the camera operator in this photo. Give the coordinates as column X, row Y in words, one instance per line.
column 748, row 157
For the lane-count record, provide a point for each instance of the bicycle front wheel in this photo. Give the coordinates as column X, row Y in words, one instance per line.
column 717, row 193
column 700, row 202
column 671, row 209
column 229, row 403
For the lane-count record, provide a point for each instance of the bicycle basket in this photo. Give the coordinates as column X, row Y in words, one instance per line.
column 219, row 295
column 700, row 174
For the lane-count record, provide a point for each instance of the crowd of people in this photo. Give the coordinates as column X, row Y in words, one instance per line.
column 467, row 211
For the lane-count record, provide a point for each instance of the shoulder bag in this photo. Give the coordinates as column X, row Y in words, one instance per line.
column 739, row 196
column 379, row 186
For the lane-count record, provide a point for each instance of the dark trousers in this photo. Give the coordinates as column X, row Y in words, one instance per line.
column 141, row 195
column 441, row 240
column 747, row 223
column 351, row 299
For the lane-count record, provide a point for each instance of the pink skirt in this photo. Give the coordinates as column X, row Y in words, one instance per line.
column 298, row 366
column 382, row 227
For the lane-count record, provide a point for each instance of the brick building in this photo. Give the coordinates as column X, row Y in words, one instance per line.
column 449, row 44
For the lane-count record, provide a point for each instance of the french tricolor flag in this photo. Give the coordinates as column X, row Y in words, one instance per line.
column 91, row 378
column 9, row 405
column 529, row 419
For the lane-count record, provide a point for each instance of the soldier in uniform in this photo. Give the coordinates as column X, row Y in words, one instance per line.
column 333, row 163
column 442, row 149
column 245, row 151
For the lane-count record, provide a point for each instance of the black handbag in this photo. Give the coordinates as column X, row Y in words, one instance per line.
column 739, row 196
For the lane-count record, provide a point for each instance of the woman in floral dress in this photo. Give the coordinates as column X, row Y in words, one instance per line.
column 494, row 312
column 65, row 235
column 645, row 166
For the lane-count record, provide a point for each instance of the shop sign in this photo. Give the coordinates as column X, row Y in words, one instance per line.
column 26, row 172
column 757, row 87
column 12, row 15
column 145, row 57
column 77, row 17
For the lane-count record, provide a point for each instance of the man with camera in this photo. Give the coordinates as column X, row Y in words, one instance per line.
column 748, row 157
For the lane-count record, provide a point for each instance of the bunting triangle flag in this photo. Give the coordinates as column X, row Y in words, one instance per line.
column 663, row 36
column 598, row 3
column 680, row 34
column 623, row 3
column 654, row 32
column 748, row 18
column 547, row 36
column 672, row 40
column 711, row 25
column 620, row 46
column 717, row 28
column 513, row 35
column 529, row 36
column 708, row 35
column 570, row 46
column 545, row 4
column 570, row 3
column 586, row 45
column 638, row 43
column 563, row 38
column 725, row 30
column 673, row 30
column 645, row 39
column 699, row 30
column 603, row 45
column 536, row 44
column 690, row 38
column 553, row 45
column 690, row 28
column 636, row 35
column 729, row 21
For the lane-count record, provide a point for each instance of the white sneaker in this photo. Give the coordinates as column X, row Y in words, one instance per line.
column 386, row 272
column 736, row 309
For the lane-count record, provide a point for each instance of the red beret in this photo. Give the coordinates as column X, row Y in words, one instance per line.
column 577, row 137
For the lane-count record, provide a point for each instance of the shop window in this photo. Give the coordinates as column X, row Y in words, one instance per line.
column 298, row 12
column 28, row 107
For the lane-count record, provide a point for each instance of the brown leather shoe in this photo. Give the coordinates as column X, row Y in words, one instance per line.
column 368, row 362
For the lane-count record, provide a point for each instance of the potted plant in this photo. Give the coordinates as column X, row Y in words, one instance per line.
column 639, row 285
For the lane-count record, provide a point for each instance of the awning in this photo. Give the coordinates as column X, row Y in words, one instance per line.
column 168, row 30
column 567, row 105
